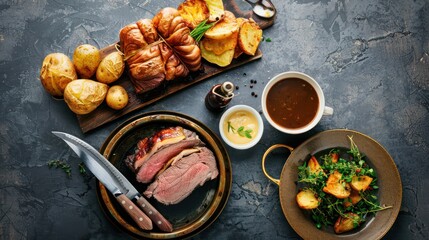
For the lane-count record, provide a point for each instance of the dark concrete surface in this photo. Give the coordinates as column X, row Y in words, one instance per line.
column 371, row 58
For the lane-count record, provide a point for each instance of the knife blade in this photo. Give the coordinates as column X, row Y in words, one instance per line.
column 87, row 154
column 125, row 186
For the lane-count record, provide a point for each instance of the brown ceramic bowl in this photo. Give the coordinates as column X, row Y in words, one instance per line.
column 389, row 182
column 194, row 213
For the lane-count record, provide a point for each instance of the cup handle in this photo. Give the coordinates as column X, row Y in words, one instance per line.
column 328, row 111
column 268, row 151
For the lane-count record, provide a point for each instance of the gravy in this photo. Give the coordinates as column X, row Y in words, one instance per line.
column 292, row 103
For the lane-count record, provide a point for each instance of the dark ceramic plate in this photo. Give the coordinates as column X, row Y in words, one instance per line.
column 389, row 182
column 194, row 213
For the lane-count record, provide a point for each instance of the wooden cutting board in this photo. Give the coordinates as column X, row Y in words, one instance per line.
column 103, row 114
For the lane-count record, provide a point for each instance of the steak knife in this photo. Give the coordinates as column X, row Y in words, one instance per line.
column 88, row 157
column 121, row 183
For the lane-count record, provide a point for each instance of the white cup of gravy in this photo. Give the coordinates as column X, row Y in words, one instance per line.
column 293, row 102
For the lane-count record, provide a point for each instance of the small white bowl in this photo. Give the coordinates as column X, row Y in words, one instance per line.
column 234, row 109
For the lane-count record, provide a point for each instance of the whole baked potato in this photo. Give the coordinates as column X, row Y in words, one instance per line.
column 110, row 68
column 117, row 97
column 56, row 72
column 86, row 59
column 84, row 95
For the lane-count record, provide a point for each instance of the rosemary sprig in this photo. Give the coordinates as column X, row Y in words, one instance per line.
column 230, row 127
column 202, row 28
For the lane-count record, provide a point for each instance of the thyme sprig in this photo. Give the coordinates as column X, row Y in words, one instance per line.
column 60, row 164
column 66, row 167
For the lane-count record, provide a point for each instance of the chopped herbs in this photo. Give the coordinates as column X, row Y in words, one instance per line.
column 82, row 169
column 66, row 167
column 60, row 164
column 266, row 39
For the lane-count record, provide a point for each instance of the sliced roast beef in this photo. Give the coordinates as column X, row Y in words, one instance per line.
column 176, row 158
column 183, row 176
column 150, row 145
column 151, row 166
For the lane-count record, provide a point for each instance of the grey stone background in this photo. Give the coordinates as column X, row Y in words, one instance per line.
column 371, row 58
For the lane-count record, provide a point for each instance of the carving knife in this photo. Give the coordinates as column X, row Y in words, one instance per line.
column 88, row 154
column 121, row 182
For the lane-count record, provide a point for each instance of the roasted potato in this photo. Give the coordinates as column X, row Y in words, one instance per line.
column 360, row 183
column 193, row 12
column 216, row 9
column 84, row 95
column 337, row 186
column 219, row 46
column 221, row 60
column 110, row 68
column 238, row 50
column 117, row 97
column 352, row 199
column 249, row 37
column 334, row 157
column 86, row 59
column 347, row 223
column 56, row 72
column 224, row 28
column 314, row 165
column 307, row 199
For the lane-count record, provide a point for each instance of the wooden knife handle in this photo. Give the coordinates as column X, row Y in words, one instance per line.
column 142, row 220
column 153, row 214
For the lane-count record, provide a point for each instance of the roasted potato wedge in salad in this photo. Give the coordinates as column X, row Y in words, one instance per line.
column 314, row 165
column 337, row 186
column 353, row 198
column 346, row 223
column 360, row 183
column 307, row 199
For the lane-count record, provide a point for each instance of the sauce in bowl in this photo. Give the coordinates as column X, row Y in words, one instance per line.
column 292, row 103
column 240, row 127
